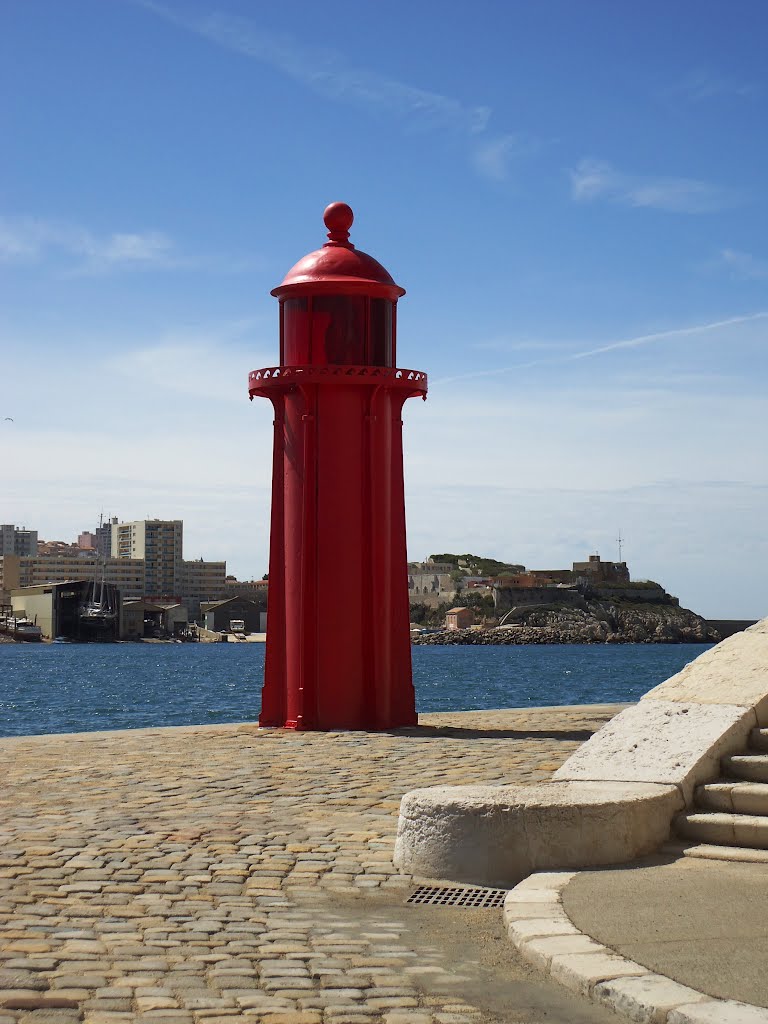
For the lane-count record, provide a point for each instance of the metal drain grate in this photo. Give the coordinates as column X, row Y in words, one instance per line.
column 455, row 896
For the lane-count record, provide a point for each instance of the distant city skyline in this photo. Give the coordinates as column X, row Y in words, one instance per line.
column 573, row 196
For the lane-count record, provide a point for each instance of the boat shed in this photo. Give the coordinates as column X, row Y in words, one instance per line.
column 217, row 615
column 158, row 619
column 58, row 609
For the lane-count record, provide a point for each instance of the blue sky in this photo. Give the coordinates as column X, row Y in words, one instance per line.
column 573, row 195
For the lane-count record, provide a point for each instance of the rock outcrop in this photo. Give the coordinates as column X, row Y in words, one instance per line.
column 598, row 623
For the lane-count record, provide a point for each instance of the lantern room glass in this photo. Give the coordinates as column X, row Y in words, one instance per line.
column 340, row 330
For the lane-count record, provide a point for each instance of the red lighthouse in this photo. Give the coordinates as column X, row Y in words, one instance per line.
column 338, row 646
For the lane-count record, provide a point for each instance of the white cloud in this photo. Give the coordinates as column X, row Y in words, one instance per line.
column 326, row 72
column 329, row 74
column 597, row 179
column 493, row 157
column 191, row 364
column 80, row 252
column 743, row 264
column 701, row 85
column 122, row 248
column 30, row 239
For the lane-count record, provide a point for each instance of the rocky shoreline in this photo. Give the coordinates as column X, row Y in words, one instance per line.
column 659, row 624
column 536, row 635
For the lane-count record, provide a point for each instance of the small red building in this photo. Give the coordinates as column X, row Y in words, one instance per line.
column 459, row 618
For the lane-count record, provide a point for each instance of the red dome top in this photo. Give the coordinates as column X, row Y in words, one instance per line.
column 339, row 267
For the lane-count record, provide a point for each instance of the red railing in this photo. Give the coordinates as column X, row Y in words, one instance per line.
column 274, row 375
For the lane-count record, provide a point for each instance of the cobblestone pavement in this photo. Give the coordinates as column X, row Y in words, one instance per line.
column 197, row 874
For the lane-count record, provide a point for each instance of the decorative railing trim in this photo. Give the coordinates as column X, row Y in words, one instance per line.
column 295, row 374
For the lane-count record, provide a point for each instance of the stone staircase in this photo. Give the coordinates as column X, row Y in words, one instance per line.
column 730, row 818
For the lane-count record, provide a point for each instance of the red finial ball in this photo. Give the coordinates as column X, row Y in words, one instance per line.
column 338, row 219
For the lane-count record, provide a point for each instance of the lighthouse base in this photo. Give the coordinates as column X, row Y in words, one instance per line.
column 338, row 646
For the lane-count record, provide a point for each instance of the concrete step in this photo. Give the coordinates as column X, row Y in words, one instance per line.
column 721, row 829
column 753, row 767
column 758, row 739
column 706, row 851
column 733, row 797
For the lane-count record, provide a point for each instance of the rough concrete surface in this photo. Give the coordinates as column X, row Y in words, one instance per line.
column 733, row 672
column 662, row 742
column 498, row 835
column 200, row 875
column 702, row 923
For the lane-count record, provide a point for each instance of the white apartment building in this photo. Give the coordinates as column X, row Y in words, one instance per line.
column 33, row 570
column 204, row 580
column 159, row 543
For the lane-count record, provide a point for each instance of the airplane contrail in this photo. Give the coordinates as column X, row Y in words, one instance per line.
column 641, row 339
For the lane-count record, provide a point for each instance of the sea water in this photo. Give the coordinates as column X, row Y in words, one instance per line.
column 47, row 688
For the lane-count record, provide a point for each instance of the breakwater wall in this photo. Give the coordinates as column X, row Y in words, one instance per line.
column 727, row 627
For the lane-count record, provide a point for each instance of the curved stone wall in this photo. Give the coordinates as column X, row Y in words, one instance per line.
column 614, row 798
column 498, row 835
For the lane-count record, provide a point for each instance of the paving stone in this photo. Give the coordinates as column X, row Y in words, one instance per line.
column 340, row 1015
column 292, row 1017
column 263, row 1003
column 106, row 1017
column 22, row 979
column 408, row 1017
column 167, row 1016
column 108, row 1005
column 205, row 1002
column 51, row 1016
column 217, row 1017
column 395, row 1002
column 30, row 964
column 282, row 981
column 155, row 1002
column 79, row 981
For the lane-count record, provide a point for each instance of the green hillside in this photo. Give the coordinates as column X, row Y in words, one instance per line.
column 477, row 565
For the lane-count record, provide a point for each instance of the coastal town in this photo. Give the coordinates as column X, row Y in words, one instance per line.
column 122, row 581
column 130, row 581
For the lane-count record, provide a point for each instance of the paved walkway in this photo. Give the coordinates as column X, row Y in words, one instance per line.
column 197, row 874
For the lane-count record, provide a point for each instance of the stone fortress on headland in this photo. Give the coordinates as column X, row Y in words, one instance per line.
column 443, row 577
column 481, row 600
